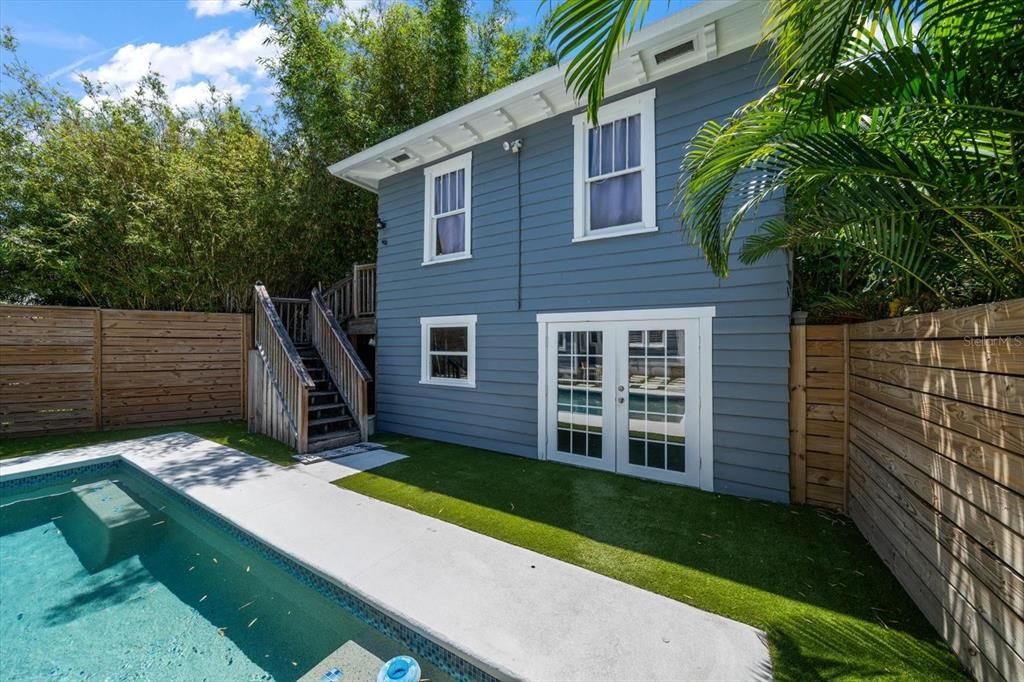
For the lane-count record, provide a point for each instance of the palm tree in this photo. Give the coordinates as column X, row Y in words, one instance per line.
column 895, row 129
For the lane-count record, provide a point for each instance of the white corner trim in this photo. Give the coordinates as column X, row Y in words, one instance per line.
column 428, row 323
column 460, row 162
column 641, row 103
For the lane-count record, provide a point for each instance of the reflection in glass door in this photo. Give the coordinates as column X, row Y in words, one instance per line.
column 654, row 369
column 623, row 396
column 580, row 415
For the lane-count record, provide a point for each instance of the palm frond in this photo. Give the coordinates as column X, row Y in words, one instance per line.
column 590, row 33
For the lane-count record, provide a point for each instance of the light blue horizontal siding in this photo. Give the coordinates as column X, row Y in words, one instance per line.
column 751, row 330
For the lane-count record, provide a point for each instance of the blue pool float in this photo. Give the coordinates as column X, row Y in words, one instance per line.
column 400, row 669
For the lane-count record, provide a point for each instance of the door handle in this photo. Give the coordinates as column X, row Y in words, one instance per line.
column 622, row 400
column 622, row 388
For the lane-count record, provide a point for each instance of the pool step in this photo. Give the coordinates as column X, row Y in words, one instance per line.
column 111, row 505
column 105, row 525
column 354, row 662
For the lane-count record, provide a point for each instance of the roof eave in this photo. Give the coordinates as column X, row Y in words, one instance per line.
column 543, row 88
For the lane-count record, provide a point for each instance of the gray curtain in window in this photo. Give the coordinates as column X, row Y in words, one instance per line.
column 615, row 201
column 451, row 234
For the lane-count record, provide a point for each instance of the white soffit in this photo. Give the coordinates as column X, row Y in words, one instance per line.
column 715, row 27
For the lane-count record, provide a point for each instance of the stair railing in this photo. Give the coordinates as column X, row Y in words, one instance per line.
column 338, row 298
column 355, row 295
column 294, row 314
column 284, row 366
column 364, row 292
column 343, row 365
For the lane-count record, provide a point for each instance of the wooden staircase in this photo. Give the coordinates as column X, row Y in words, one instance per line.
column 330, row 424
column 307, row 384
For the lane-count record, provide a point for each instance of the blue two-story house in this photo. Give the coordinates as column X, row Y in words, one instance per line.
column 536, row 295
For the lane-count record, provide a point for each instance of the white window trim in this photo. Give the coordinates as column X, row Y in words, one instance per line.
column 464, row 162
column 643, row 104
column 704, row 316
column 428, row 323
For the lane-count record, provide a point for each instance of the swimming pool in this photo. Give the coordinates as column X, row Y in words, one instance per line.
column 110, row 576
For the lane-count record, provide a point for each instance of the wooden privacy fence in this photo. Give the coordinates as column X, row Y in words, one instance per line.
column 929, row 462
column 82, row 369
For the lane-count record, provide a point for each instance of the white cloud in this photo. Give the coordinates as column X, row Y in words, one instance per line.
column 229, row 61
column 215, row 8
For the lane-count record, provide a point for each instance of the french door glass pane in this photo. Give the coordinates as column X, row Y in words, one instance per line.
column 580, row 362
column 657, row 397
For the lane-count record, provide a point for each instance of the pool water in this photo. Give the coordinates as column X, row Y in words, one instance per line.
column 166, row 595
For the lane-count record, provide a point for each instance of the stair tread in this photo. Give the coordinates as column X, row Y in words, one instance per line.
column 318, row 394
column 329, row 420
column 330, row 435
column 326, row 406
column 333, row 440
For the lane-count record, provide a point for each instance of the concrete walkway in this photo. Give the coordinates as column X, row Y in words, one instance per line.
column 343, row 467
column 510, row 611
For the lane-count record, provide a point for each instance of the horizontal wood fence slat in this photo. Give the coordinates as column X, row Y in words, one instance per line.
column 82, row 369
column 932, row 445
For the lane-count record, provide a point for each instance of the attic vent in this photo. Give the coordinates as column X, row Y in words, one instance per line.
column 673, row 52
column 400, row 158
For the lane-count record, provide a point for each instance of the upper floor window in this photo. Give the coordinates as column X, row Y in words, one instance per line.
column 446, row 230
column 614, row 191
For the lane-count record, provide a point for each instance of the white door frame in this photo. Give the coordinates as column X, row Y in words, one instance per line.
column 702, row 368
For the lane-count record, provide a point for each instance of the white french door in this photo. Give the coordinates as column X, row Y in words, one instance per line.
column 624, row 394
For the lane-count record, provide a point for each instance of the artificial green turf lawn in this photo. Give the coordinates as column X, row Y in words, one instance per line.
column 805, row 576
column 230, row 433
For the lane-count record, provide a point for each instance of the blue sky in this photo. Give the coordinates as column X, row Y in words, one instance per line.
column 191, row 43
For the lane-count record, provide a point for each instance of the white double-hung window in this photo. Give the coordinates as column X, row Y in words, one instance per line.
column 613, row 171
column 448, row 350
column 446, row 210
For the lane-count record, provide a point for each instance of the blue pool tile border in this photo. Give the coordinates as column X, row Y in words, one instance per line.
column 58, row 475
column 441, row 657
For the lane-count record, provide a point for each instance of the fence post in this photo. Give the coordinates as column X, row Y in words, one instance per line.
column 846, row 418
column 97, row 367
column 798, row 409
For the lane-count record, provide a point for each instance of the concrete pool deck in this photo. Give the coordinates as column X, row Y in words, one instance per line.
column 512, row 612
